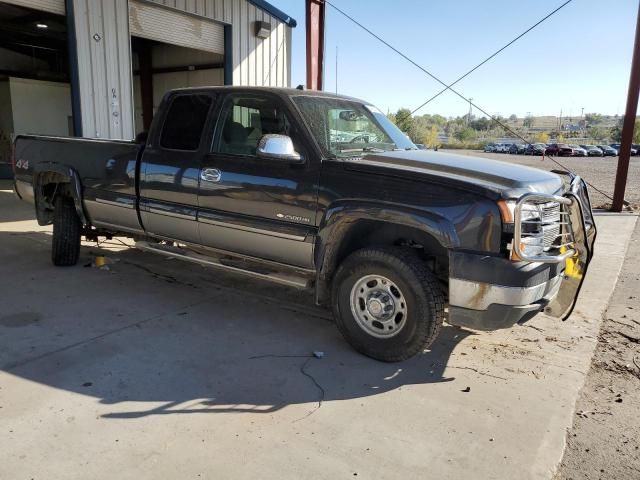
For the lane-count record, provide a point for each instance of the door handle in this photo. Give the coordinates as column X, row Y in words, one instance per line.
column 211, row 175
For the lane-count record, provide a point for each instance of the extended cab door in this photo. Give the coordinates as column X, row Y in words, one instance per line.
column 254, row 206
column 170, row 168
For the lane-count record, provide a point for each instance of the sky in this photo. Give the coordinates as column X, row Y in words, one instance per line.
column 579, row 58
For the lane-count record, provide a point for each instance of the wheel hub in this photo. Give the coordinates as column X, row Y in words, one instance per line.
column 378, row 306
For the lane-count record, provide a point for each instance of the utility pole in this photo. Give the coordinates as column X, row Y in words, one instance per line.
column 629, row 124
column 336, row 70
column 469, row 117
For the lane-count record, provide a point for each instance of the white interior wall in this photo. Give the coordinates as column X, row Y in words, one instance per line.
column 40, row 107
column 166, row 55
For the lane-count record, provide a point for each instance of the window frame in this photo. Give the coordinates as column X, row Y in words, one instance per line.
column 214, row 146
column 203, row 133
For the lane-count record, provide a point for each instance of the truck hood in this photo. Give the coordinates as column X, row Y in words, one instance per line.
column 508, row 180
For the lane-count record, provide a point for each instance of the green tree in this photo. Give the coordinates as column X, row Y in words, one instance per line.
column 528, row 122
column 593, row 118
column 513, row 117
column 636, row 132
column 406, row 123
column 430, row 137
column 481, row 124
column 465, row 134
column 598, row 133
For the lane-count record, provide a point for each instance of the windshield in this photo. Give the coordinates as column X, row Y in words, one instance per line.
column 344, row 128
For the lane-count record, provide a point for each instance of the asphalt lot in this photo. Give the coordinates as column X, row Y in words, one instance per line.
column 158, row 369
column 600, row 172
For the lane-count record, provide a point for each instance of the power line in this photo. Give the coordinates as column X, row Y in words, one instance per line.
column 447, row 87
column 489, row 57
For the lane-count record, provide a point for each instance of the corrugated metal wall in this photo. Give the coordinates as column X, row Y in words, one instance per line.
column 53, row 6
column 256, row 61
column 104, row 68
column 165, row 25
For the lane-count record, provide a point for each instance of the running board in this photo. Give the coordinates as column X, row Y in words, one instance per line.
column 225, row 263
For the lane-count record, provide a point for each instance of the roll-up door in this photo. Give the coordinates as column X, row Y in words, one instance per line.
column 52, row 6
column 166, row 25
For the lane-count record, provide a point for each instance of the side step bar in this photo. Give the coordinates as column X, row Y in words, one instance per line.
column 227, row 263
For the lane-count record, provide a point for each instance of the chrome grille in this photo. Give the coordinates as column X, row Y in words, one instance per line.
column 550, row 228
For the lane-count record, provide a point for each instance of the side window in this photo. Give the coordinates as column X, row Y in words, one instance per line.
column 185, row 121
column 245, row 119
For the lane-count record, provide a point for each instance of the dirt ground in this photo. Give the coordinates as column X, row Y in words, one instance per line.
column 604, row 442
column 600, row 172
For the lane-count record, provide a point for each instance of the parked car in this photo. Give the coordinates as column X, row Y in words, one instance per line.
column 490, row 147
column 536, row 149
column 560, row 150
column 421, row 146
column 578, row 151
column 503, row 147
column 517, row 148
column 634, row 151
column 592, row 150
column 380, row 231
column 608, row 151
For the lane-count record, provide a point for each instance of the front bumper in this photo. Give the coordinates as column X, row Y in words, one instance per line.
column 489, row 293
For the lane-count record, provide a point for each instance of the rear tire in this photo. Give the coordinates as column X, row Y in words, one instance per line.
column 361, row 288
column 66, row 233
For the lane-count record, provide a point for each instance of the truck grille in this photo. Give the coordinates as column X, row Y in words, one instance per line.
column 549, row 228
column 552, row 225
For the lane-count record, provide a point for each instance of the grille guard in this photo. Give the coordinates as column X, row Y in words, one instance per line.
column 576, row 257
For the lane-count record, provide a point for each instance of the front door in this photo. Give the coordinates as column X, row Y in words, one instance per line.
column 254, row 206
column 170, row 169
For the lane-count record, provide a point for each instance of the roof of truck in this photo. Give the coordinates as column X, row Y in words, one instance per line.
column 292, row 92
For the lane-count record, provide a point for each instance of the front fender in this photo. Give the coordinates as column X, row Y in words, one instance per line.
column 341, row 217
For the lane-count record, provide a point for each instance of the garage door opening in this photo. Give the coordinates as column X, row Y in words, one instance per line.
column 159, row 67
column 35, row 91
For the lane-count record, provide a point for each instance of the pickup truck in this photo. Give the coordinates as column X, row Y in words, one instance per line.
column 319, row 191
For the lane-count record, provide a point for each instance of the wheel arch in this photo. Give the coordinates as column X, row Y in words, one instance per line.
column 346, row 228
column 51, row 180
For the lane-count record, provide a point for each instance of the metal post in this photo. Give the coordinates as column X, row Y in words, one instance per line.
column 76, row 106
column 629, row 124
column 315, row 43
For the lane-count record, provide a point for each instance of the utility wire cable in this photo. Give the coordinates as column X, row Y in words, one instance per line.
column 550, row 14
column 447, row 87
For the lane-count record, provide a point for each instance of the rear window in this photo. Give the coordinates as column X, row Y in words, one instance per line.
column 184, row 122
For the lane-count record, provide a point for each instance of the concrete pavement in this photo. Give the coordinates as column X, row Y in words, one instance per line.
column 159, row 369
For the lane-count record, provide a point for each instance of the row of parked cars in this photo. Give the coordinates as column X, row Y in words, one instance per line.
column 559, row 149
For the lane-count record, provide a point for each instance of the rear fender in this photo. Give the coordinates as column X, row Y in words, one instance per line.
column 44, row 173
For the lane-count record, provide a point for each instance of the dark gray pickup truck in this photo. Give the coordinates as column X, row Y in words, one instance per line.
column 321, row 191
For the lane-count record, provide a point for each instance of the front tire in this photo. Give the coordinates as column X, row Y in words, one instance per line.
column 66, row 233
column 387, row 304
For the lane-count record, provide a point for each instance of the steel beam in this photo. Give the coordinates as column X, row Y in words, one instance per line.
column 315, row 43
column 629, row 124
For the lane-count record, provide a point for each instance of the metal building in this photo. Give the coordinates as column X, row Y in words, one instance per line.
column 98, row 68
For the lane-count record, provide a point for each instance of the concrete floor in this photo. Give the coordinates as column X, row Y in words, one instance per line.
column 159, row 369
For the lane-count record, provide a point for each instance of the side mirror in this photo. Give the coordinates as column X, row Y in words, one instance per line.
column 278, row 147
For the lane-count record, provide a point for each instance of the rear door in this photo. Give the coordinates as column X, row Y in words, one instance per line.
column 254, row 206
column 170, row 167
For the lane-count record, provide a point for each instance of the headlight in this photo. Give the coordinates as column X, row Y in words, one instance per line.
column 531, row 218
column 529, row 213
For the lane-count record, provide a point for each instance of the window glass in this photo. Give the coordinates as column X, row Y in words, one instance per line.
column 344, row 128
column 246, row 119
column 185, row 121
